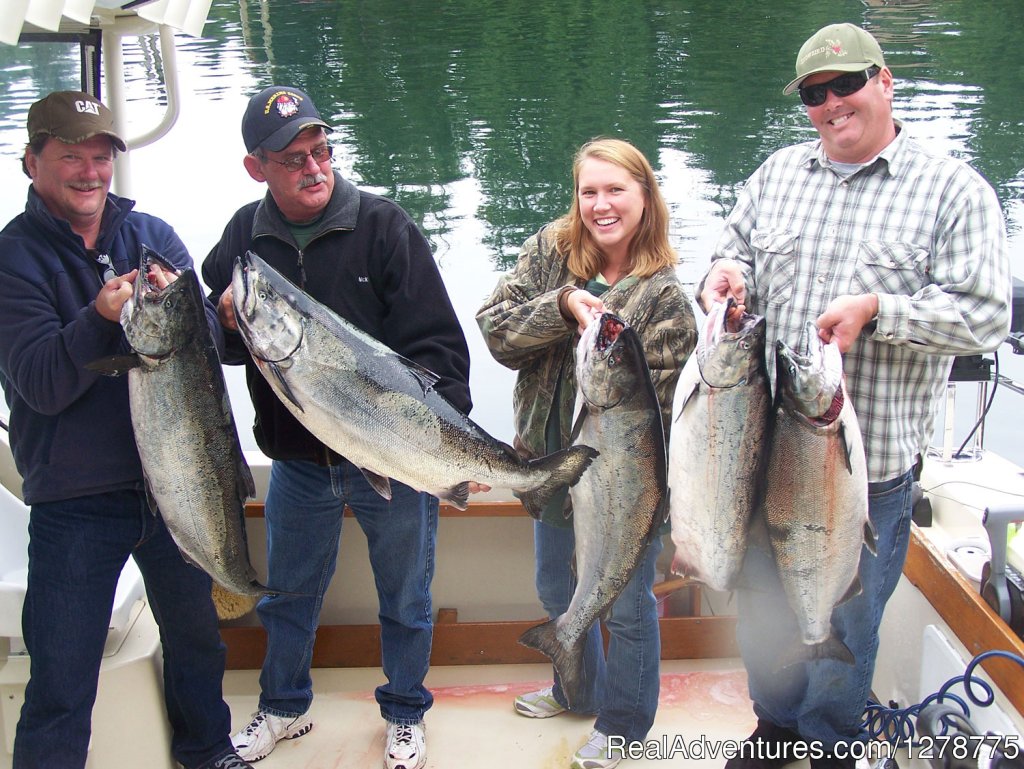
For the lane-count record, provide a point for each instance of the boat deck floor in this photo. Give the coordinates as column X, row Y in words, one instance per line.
column 472, row 722
column 703, row 704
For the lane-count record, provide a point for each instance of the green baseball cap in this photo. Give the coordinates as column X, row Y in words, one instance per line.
column 836, row 48
column 72, row 117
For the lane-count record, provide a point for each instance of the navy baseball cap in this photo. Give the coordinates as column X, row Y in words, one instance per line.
column 276, row 115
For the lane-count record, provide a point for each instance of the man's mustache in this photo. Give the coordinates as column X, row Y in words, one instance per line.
column 311, row 179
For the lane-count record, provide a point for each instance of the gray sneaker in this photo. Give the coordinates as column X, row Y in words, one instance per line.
column 260, row 735
column 538, row 704
column 594, row 754
column 231, row 761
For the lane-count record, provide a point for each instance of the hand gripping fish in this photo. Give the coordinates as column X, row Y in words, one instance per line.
column 374, row 407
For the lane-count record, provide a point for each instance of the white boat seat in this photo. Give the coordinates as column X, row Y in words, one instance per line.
column 14, row 572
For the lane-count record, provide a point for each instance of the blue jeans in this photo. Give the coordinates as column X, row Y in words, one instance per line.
column 304, row 509
column 77, row 548
column 623, row 688
column 824, row 699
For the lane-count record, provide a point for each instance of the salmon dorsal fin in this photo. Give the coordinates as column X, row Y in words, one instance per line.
column 426, row 378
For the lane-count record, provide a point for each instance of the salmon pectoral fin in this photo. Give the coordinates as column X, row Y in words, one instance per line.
column 458, row 495
column 286, row 389
column 847, row 451
column 855, row 589
column 870, row 537
column 114, row 365
column 380, row 484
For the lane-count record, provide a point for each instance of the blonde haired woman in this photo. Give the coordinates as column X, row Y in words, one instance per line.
column 609, row 252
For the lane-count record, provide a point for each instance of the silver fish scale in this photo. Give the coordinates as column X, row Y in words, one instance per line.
column 617, row 502
column 185, row 433
column 816, row 511
column 613, row 512
column 718, row 445
column 387, row 431
column 374, row 407
column 189, row 473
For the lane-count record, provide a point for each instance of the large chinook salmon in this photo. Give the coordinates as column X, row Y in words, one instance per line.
column 373, row 406
column 816, row 497
column 719, row 441
column 620, row 503
column 195, row 472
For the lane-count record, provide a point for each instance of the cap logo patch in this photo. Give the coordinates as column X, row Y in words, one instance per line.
column 286, row 106
column 285, row 103
column 831, row 48
column 89, row 107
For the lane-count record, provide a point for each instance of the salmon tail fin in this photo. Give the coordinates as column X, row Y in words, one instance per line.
column 564, row 469
column 232, row 605
column 568, row 661
column 829, row 649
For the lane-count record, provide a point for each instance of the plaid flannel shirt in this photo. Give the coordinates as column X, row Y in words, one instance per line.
column 923, row 232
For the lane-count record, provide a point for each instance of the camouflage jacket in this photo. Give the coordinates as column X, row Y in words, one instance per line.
column 525, row 331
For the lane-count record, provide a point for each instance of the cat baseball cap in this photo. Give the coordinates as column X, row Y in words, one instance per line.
column 72, row 117
column 276, row 115
column 836, row 48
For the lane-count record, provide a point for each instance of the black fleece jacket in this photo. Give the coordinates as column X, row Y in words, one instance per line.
column 369, row 263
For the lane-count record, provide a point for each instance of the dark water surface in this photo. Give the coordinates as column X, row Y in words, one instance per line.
column 467, row 112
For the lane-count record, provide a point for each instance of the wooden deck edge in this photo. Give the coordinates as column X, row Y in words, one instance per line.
column 474, row 643
column 977, row 626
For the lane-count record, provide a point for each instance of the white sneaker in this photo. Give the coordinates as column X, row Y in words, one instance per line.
column 405, row 746
column 539, row 704
column 260, row 736
column 594, row 754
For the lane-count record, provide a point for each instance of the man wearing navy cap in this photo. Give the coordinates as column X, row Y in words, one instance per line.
column 67, row 266
column 362, row 256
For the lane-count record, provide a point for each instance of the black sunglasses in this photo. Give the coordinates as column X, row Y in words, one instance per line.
column 844, row 85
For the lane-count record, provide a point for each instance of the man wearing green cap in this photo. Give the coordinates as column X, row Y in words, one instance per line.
column 899, row 255
column 66, row 268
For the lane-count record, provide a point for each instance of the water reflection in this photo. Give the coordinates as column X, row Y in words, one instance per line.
column 504, row 91
column 468, row 112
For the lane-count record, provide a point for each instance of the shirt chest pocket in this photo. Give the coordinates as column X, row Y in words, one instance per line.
column 891, row 268
column 774, row 264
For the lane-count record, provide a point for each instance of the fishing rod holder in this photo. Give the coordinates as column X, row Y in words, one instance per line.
column 966, row 368
column 978, row 368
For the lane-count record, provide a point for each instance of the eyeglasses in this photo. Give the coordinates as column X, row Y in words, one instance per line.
column 844, row 85
column 296, row 162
